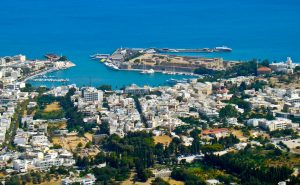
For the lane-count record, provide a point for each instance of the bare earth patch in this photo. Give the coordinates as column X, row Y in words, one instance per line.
column 239, row 134
column 69, row 143
column 52, row 107
column 89, row 136
column 149, row 181
column 52, row 183
column 166, row 140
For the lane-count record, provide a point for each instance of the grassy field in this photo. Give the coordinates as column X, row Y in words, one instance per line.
column 130, row 181
column 293, row 160
column 166, row 140
column 239, row 134
column 169, row 180
column 2, row 175
column 89, row 136
column 52, row 183
column 173, row 182
column 69, row 143
column 58, row 125
column 52, row 107
column 58, row 182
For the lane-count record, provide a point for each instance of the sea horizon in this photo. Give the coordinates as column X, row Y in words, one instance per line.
column 253, row 29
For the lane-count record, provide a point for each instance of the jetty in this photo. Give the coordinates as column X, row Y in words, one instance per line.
column 118, row 54
column 164, row 60
column 201, row 50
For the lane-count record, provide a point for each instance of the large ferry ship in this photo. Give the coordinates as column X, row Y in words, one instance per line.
column 223, row 49
column 111, row 66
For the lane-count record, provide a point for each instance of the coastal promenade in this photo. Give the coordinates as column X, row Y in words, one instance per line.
column 19, row 69
column 39, row 73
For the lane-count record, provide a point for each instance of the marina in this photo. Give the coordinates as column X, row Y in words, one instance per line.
column 50, row 80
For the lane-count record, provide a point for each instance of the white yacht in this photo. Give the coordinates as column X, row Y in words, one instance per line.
column 150, row 71
column 223, row 49
column 111, row 66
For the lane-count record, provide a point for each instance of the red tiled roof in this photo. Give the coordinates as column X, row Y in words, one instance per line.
column 264, row 69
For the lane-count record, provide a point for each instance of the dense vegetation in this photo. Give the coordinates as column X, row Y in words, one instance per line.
column 284, row 133
column 68, row 111
column 228, row 112
column 105, row 88
column 159, row 181
column 75, row 118
column 250, row 169
column 241, row 69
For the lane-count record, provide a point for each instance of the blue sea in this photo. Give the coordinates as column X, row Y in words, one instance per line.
column 268, row 29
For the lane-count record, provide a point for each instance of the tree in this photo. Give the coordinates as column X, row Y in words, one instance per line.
column 269, row 115
column 159, row 181
column 76, row 183
column 195, row 133
column 143, row 175
column 195, row 148
column 159, row 152
column 79, row 145
column 186, row 176
column 104, row 128
column 57, row 146
column 100, row 158
column 240, row 102
column 104, row 174
column 88, row 144
column 13, row 180
column 83, row 162
column 228, row 112
column 227, row 141
column 265, row 63
column 212, row 148
column 297, row 68
column 248, row 166
column 243, row 87
column 105, row 87
column 257, row 85
column 63, row 58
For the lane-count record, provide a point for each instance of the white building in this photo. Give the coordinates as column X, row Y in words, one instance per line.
column 92, row 95
column 278, row 124
column 284, row 67
column 134, row 89
column 255, row 122
column 20, row 165
column 47, row 163
column 89, row 179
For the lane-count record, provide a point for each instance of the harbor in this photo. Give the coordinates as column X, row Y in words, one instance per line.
column 151, row 66
column 152, row 60
column 52, row 63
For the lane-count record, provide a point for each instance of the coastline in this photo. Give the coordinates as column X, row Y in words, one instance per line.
column 160, row 71
column 148, row 61
column 51, row 70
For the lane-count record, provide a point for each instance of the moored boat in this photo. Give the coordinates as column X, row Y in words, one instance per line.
column 150, row 71
column 223, row 49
